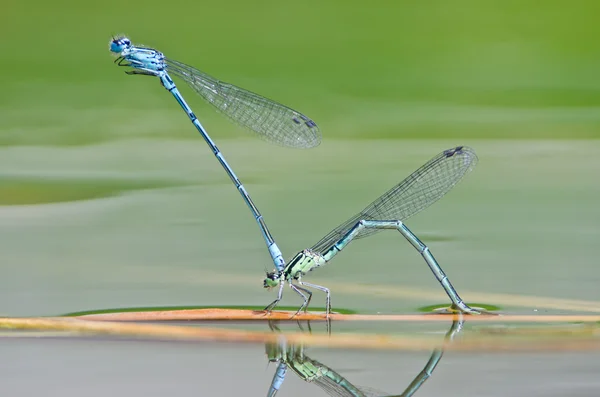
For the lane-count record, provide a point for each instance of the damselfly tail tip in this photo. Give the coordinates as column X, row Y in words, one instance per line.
column 119, row 43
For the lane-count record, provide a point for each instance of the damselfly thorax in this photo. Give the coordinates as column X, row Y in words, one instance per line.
column 304, row 262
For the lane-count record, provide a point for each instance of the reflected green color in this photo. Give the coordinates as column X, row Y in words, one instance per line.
column 432, row 69
column 170, row 308
column 40, row 190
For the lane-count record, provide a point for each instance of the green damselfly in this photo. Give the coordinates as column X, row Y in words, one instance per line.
column 418, row 191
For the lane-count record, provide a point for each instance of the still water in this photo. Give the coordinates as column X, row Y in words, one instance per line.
column 520, row 232
column 69, row 366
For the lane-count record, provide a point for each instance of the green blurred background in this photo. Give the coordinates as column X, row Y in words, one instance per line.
column 108, row 197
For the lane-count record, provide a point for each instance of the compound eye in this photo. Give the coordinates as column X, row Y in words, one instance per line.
column 123, row 41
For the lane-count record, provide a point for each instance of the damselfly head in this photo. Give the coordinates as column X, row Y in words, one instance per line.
column 272, row 280
column 119, row 43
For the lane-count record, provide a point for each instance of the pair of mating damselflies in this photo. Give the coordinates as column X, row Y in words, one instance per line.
column 281, row 125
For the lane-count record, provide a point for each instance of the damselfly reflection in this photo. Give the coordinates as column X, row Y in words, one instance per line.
column 293, row 357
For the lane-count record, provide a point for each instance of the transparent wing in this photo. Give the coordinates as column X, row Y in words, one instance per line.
column 331, row 387
column 335, row 384
column 339, row 387
column 417, row 192
column 270, row 120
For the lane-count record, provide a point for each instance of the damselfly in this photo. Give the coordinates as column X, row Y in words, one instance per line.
column 270, row 120
column 418, row 191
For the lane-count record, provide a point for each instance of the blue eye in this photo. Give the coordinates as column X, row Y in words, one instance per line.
column 118, row 44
